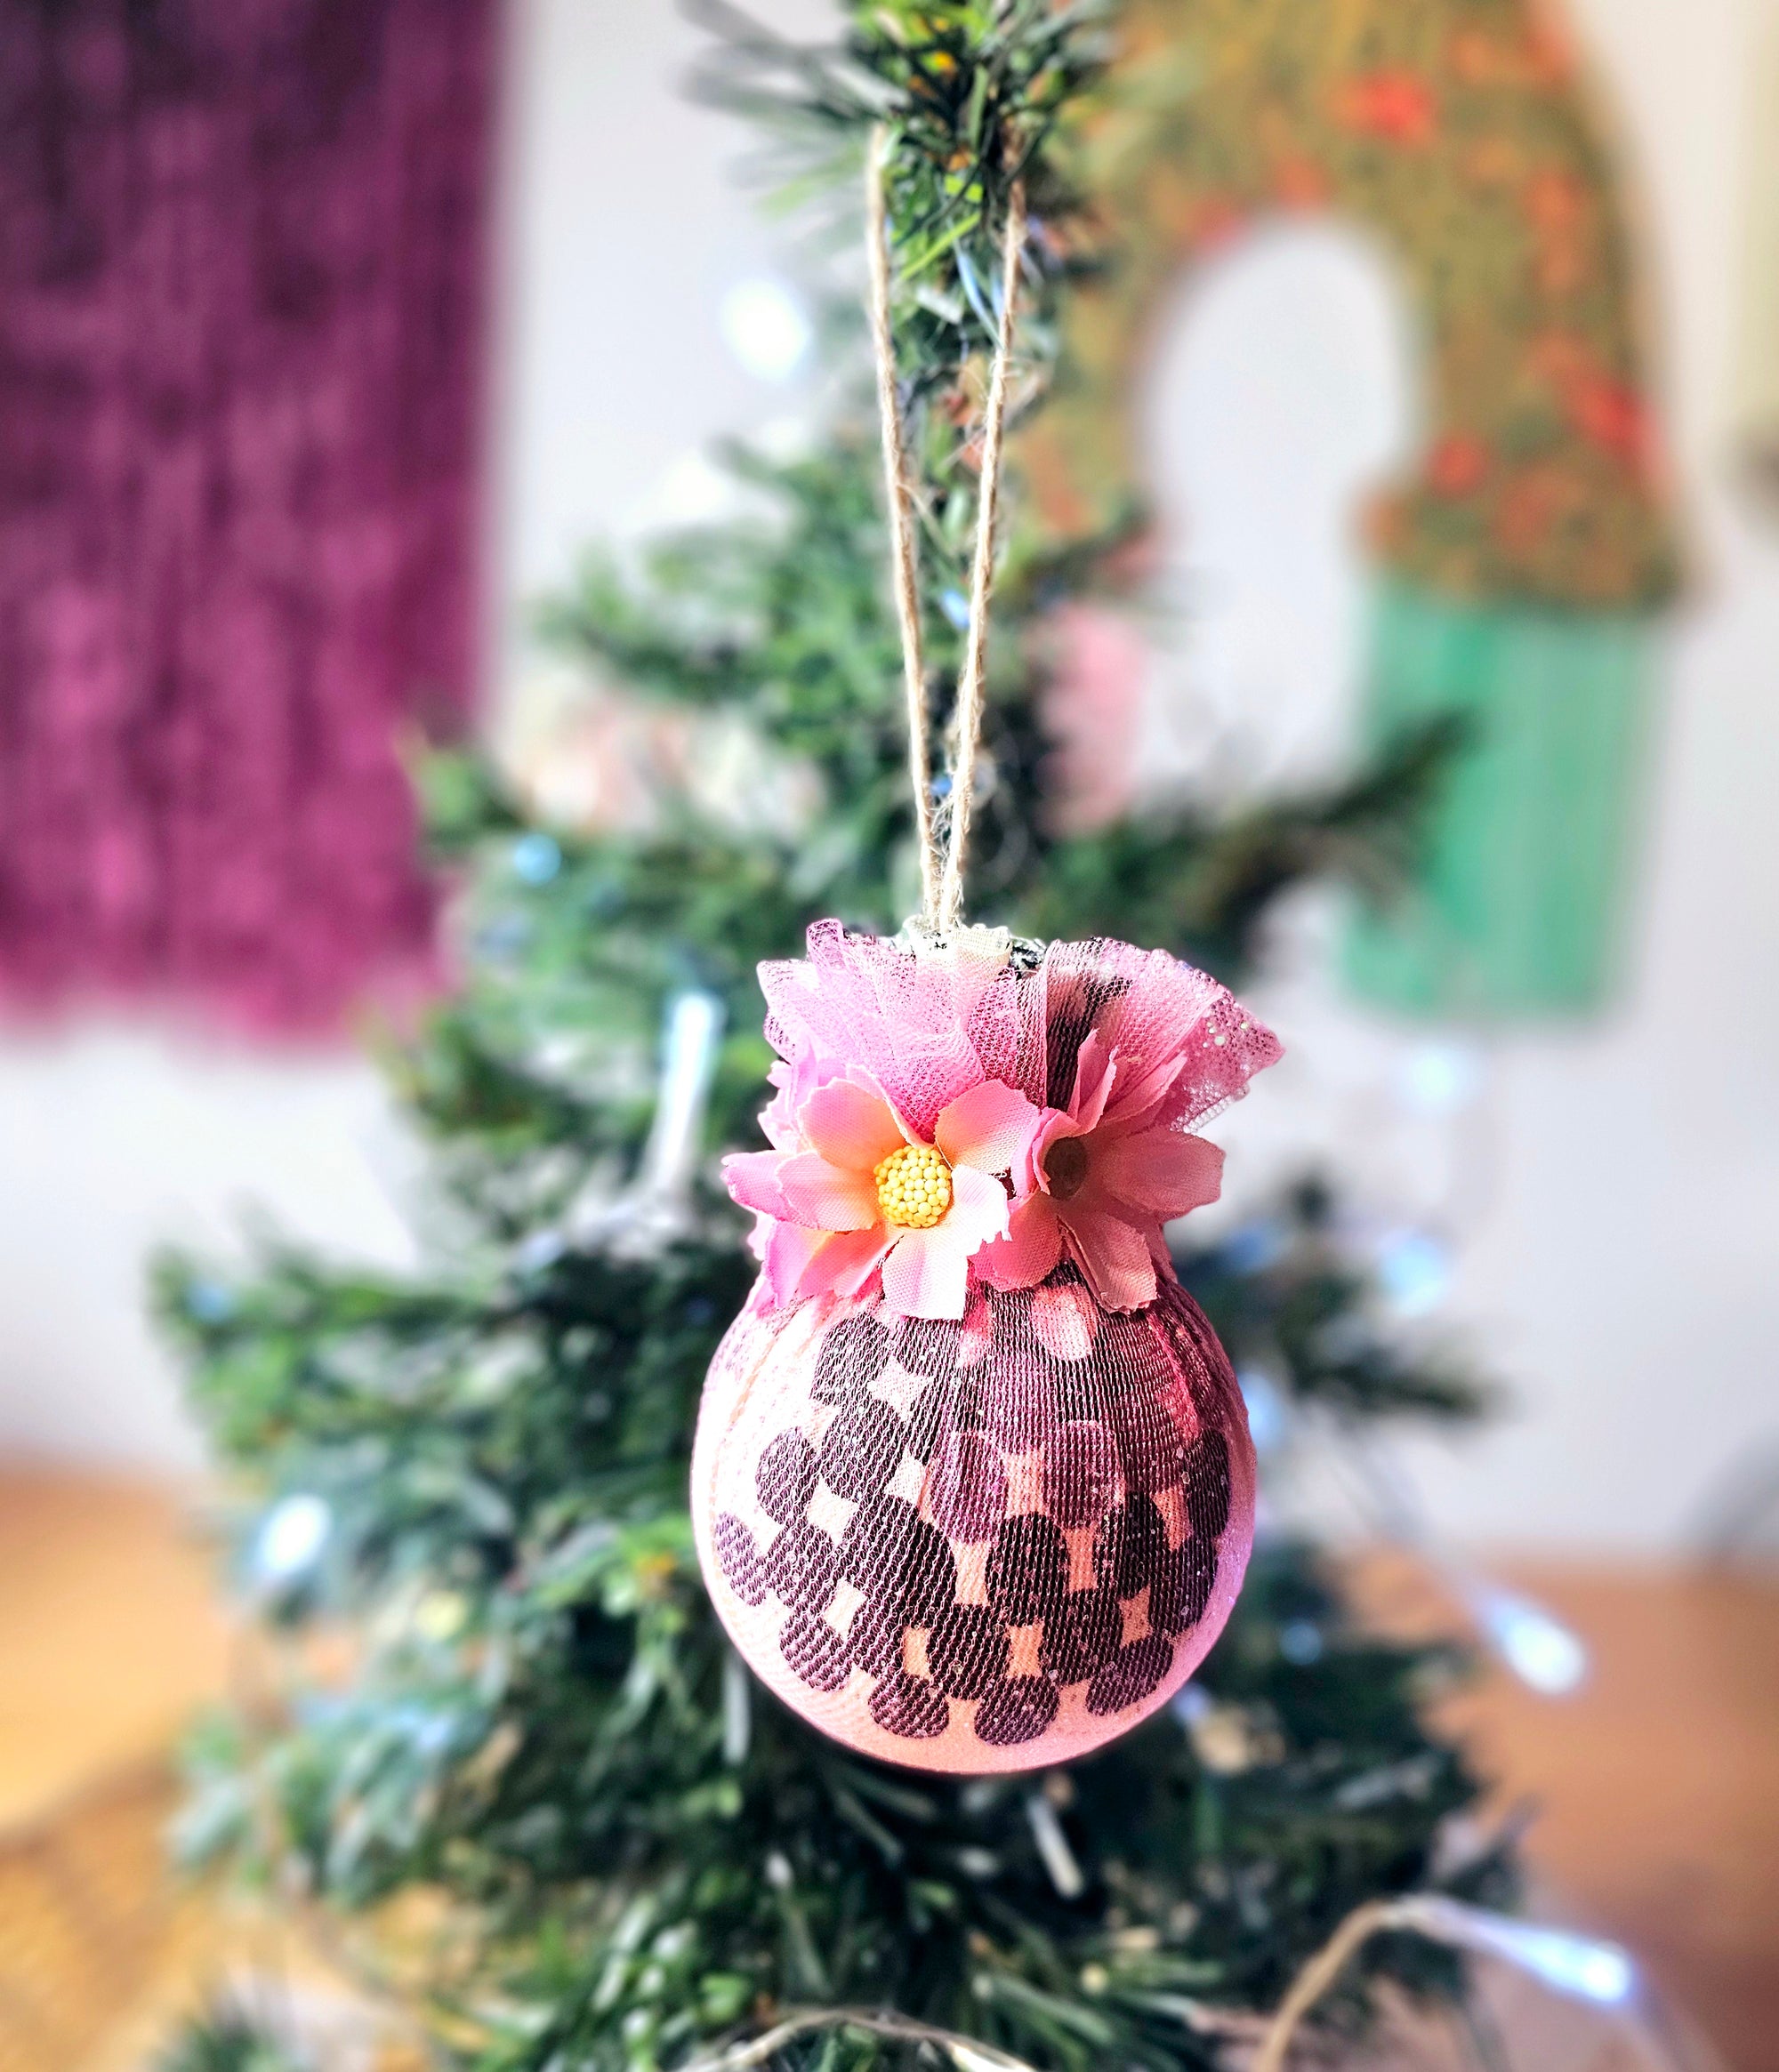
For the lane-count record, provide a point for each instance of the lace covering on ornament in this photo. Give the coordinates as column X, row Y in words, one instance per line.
column 979, row 1545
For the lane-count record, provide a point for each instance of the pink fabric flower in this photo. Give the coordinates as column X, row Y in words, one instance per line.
column 1092, row 710
column 1101, row 1178
column 827, row 1229
column 1157, row 1048
column 927, row 1027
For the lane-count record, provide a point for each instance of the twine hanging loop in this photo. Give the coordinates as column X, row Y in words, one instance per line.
column 941, row 873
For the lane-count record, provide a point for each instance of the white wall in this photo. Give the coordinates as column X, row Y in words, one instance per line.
column 1612, row 1192
column 120, row 1138
column 628, row 229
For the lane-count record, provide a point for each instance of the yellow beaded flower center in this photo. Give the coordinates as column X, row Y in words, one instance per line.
column 913, row 1186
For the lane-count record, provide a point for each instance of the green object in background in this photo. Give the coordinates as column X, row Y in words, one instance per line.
column 1518, row 906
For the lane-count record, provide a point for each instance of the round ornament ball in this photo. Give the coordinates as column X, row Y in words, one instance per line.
column 972, row 1484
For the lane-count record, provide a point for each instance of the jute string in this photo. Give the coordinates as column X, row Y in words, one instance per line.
column 966, row 2053
column 1431, row 1914
column 898, row 494
column 1322, row 1970
column 941, row 877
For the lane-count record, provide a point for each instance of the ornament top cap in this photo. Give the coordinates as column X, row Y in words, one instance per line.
column 973, row 941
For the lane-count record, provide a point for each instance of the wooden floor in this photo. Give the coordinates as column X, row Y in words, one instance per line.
column 1657, row 1784
column 110, row 1633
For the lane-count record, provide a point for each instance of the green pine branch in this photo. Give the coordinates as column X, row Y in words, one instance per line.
column 539, row 1721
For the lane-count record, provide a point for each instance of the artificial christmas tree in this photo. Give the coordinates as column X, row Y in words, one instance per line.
column 481, row 1472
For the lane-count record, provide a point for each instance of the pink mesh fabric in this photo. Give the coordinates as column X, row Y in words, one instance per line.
column 985, row 1546
column 926, row 1028
column 1168, row 1017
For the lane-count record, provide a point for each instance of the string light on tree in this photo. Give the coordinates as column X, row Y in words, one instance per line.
column 765, row 327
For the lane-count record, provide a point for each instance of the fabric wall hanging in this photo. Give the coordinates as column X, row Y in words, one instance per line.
column 241, row 324
column 1519, row 908
column 1534, row 534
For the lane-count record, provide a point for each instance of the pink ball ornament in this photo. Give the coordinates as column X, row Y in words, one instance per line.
column 972, row 1484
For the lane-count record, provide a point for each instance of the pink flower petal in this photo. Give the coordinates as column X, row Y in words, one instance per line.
column 751, row 1178
column 927, row 1272
column 789, row 1249
column 843, row 1261
column 1031, row 1247
column 1141, row 1088
column 824, row 1197
column 1184, row 1045
column 978, row 1206
column 1115, row 1257
column 850, row 1125
column 1159, row 1171
column 1095, row 1071
column 991, row 1126
column 760, row 1238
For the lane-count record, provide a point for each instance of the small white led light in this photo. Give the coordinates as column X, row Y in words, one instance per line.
column 763, row 325
column 1440, row 1078
column 1414, row 1271
column 1575, row 1964
column 295, row 1531
column 1539, row 1650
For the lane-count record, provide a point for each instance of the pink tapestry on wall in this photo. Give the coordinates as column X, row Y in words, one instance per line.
column 242, row 315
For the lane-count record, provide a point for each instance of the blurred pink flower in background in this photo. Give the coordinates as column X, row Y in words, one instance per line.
column 1093, row 706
